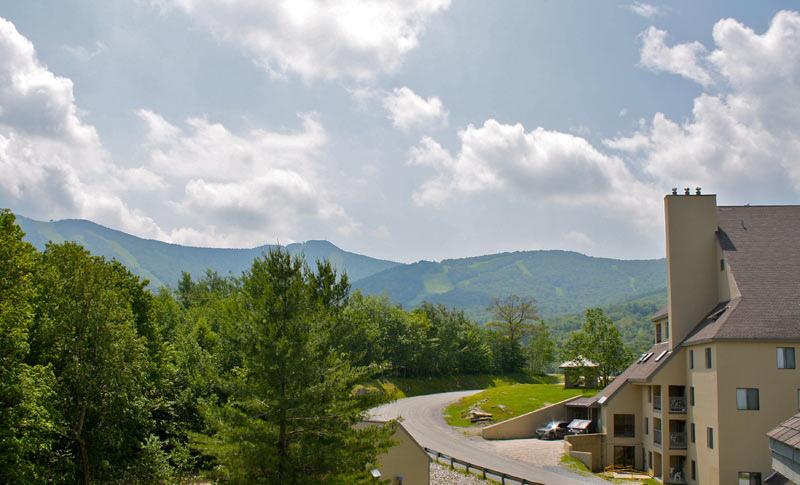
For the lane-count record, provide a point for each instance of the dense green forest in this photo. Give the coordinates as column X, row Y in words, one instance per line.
column 252, row 378
column 561, row 282
column 632, row 318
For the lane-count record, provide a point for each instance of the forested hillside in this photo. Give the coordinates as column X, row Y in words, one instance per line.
column 561, row 282
column 632, row 318
column 162, row 263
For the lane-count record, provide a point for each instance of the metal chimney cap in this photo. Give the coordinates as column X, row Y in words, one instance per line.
column 697, row 190
column 674, row 191
column 687, row 191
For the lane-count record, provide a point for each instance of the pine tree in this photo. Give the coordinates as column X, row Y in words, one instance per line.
column 292, row 415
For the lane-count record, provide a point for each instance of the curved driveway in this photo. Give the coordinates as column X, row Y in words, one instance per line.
column 422, row 417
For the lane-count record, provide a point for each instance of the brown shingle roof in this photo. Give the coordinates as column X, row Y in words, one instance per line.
column 660, row 314
column 788, row 432
column 638, row 371
column 761, row 245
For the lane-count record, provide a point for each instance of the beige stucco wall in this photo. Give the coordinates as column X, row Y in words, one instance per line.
column 406, row 459
column 672, row 373
column 743, row 445
column 627, row 400
column 691, row 224
column 524, row 426
column 704, row 414
column 586, row 447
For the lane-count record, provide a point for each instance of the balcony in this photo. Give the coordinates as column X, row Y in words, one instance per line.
column 677, row 440
column 677, row 399
column 677, row 404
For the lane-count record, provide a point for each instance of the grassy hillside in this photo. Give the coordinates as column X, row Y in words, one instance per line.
column 562, row 282
column 162, row 263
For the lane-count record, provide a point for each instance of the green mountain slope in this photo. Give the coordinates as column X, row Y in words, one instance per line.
column 562, row 282
column 162, row 263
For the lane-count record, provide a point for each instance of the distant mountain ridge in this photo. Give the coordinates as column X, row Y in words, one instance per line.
column 562, row 282
column 162, row 263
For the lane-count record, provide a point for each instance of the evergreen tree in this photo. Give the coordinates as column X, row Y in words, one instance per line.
column 292, row 415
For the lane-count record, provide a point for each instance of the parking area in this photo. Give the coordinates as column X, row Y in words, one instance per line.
column 531, row 450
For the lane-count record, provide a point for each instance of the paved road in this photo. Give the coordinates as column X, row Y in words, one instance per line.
column 422, row 417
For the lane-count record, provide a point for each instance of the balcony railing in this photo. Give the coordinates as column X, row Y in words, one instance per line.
column 677, row 440
column 657, row 436
column 677, row 404
column 677, row 477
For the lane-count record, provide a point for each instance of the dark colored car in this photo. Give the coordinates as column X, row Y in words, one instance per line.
column 554, row 430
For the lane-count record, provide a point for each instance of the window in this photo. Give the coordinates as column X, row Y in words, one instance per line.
column 692, row 432
column 798, row 399
column 691, row 395
column 649, row 459
column 691, row 359
column 785, row 357
column 657, row 397
column 658, row 332
column 722, row 265
column 710, row 437
column 646, row 426
column 624, row 455
column 666, row 331
column 747, row 399
column 749, row 478
column 650, row 394
column 624, row 425
column 656, row 431
column 708, row 357
column 694, row 470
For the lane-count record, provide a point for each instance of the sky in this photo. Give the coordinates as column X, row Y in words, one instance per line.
column 406, row 130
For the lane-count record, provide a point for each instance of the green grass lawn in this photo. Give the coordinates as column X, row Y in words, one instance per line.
column 399, row 387
column 508, row 401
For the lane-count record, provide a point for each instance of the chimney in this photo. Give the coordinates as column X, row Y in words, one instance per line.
column 691, row 225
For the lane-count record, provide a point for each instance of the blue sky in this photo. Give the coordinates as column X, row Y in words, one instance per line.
column 408, row 130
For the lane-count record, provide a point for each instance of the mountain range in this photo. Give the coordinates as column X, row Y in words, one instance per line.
column 562, row 282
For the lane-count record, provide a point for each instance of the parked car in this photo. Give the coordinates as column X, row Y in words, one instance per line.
column 579, row 426
column 554, row 430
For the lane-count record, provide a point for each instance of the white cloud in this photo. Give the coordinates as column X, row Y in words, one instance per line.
column 318, row 39
column 84, row 54
column 744, row 140
column 646, row 10
column 210, row 150
column 242, row 189
column 408, row 110
column 541, row 166
column 52, row 162
column 225, row 188
column 683, row 59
